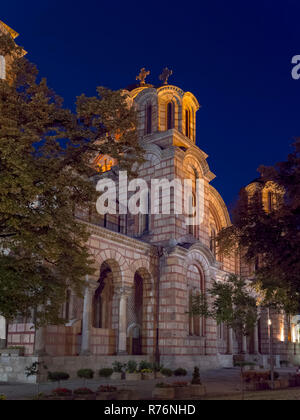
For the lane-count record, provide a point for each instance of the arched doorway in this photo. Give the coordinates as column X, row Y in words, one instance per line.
column 138, row 303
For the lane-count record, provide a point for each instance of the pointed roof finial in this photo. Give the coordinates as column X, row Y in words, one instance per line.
column 142, row 76
column 165, row 75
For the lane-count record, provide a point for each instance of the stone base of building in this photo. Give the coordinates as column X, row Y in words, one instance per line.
column 12, row 369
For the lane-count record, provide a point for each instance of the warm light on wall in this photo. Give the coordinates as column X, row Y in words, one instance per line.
column 294, row 334
column 282, row 337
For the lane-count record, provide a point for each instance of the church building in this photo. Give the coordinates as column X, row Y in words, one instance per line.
column 149, row 267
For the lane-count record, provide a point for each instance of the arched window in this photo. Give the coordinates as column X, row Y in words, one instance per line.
column 102, row 304
column 270, row 201
column 170, row 116
column 213, row 241
column 187, row 123
column 192, row 206
column 149, row 119
column 2, row 67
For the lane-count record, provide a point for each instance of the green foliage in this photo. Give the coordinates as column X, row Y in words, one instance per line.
column 43, row 245
column 144, row 365
column 3, row 397
column 196, row 376
column 85, row 374
column 118, row 367
column 35, row 369
column 166, row 372
column 180, row 372
column 271, row 236
column 106, row 372
column 131, row 366
column 58, row 376
column 233, row 303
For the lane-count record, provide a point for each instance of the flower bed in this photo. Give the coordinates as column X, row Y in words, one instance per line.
column 84, row 394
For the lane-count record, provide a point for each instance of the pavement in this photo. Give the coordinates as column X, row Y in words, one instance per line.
column 220, row 382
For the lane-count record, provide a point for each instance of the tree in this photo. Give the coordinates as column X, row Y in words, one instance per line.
column 45, row 156
column 271, row 237
column 233, row 302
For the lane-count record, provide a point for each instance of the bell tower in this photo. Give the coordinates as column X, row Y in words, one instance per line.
column 167, row 131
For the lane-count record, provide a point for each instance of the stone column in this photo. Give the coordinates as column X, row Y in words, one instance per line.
column 40, row 342
column 244, row 344
column 256, row 340
column 91, row 286
column 230, row 341
column 123, row 293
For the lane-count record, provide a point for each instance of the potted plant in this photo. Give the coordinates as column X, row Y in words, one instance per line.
column 196, row 387
column 58, row 377
column 180, row 372
column 16, row 351
column 106, row 393
column 131, row 371
column 166, row 373
column 84, row 394
column 85, row 374
column 147, row 374
column 146, row 369
column 106, row 373
column 118, row 371
column 163, row 391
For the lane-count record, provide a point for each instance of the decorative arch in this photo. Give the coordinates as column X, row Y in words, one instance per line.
column 2, row 67
column 117, row 263
column 219, row 208
column 197, row 158
column 170, row 96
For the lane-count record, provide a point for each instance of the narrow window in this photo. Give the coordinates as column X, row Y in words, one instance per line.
column 213, row 240
column 170, row 116
column 187, row 123
column 270, row 201
column 149, row 119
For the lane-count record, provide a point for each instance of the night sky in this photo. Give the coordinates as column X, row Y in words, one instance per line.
column 235, row 56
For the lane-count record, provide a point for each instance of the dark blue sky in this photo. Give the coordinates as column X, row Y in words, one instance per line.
column 234, row 55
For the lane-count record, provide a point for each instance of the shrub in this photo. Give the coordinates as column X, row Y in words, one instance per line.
column 105, row 372
column 196, row 377
column 85, row 374
column 107, row 388
column 58, row 376
column 131, row 366
column 144, row 365
column 3, row 397
column 62, row 392
column 118, row 367
column 166, row 372
column 180, row 372
column 83, row 391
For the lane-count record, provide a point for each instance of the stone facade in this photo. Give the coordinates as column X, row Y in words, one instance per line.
column 149, row 267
